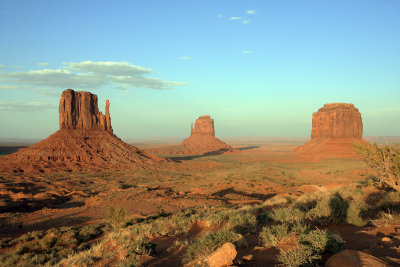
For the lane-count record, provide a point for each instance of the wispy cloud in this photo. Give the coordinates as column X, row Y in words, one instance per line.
column 8, row 87
column 243, row 19
column 89, row 75
column 246, row 52
column 219, row 16
column 2, row 66
column 186, row 58
column 43, row 64
column 25, row 106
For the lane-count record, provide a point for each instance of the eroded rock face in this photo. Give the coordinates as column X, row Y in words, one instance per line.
column 335, row 128
column 204, row 125
column 79, row 110
column 337, row 120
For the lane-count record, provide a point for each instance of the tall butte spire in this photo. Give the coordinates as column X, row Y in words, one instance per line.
column 84, row 143
column 79, row 110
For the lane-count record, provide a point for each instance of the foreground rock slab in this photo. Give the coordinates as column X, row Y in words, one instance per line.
column 223, row 256
column 352, row 258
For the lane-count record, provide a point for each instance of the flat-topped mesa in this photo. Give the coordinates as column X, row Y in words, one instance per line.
column 79, row 110
column 204, row 125
column 337, row 120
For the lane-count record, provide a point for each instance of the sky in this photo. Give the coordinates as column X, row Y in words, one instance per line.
column 259, row 68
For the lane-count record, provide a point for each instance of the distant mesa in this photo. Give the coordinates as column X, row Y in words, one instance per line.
column 202, row 138
column 335, row 127
column 202, row 141
column 85, row 142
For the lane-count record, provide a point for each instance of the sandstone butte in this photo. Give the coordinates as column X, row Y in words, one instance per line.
column 202, row 139
column 335, row 127
column 85, row 142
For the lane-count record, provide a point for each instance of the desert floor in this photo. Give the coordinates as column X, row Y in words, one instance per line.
column 257, row 172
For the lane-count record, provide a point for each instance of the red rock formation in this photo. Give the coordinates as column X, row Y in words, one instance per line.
column 204, row 125
column 335, row 127
column 85, row 142
column 202, row 139
column 337, row 120
column 79, row 110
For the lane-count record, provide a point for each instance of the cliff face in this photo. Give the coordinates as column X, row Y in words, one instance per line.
column 204, row 125
column 79, row 110
column 337, row 120
column 335, row 128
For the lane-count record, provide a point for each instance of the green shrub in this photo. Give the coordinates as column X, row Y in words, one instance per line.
column 89, row 232
column 270, row 236
column 354, row 213
column 311, row 246
column 321, row 241
column 287, row 214
column 298, row 256
column 207, row 243
column 243, row 222
column 116, row 216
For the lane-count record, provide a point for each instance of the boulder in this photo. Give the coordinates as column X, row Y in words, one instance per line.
column 352, row 258
column 223, row 256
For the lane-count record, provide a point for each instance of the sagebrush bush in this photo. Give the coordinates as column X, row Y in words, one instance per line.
column 287, row 214
column 298, row 256
column 321, row 241
column 270, row 236
column 311, row 246
column 116, row 216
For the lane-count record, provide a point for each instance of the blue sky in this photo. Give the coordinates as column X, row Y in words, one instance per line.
column 259, row 68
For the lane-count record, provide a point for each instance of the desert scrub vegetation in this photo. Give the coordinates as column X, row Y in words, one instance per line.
column 49, row 247
column 384, row 159
column 310, row 247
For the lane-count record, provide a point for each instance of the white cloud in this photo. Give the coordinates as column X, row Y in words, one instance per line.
column 8, row 87
column 89, row 75
column 25, row 106
column 246, row 21
column 186, row 58
column 250, row 12
column 107, row 67
column 43, row 64
column 235, row 18
column 2, row 66
column 246, row 52
column 219, row 16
